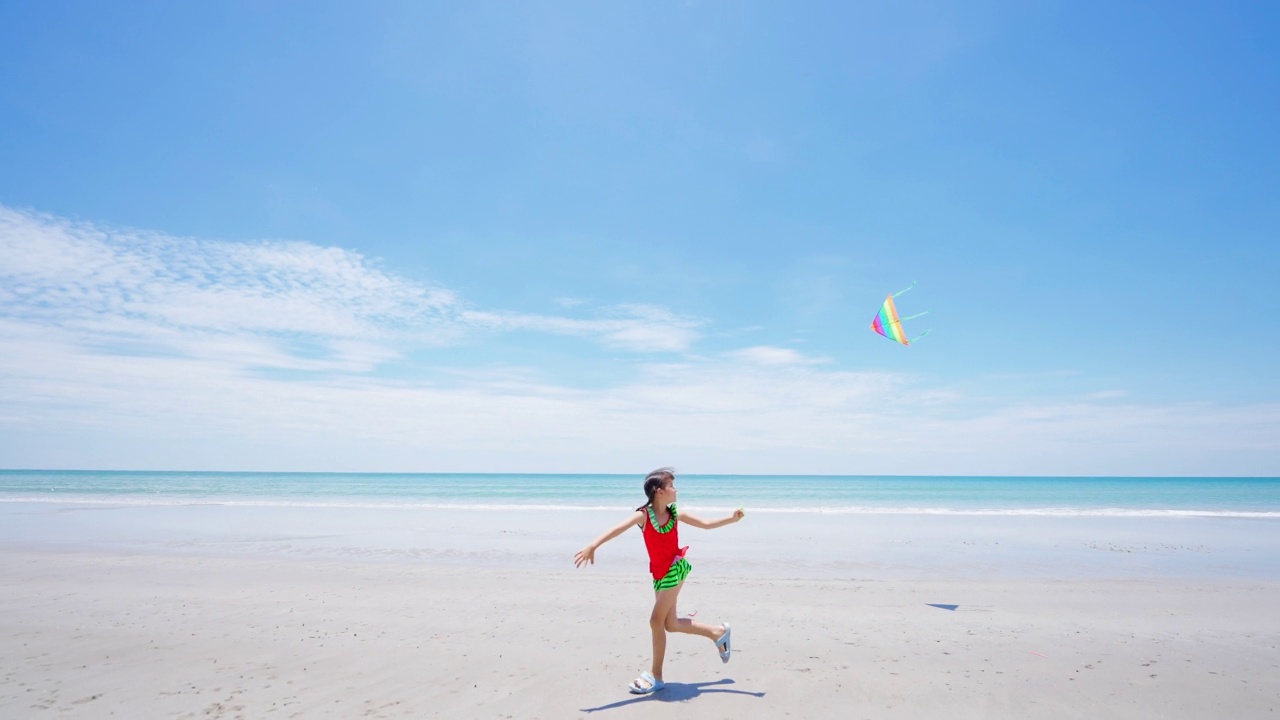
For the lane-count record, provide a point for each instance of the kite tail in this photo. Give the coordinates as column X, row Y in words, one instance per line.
column 913, row 284
column 926, row 332
column 913, row 317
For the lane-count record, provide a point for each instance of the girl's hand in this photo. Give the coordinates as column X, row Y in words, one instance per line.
column 584, row 556
column 739, row 514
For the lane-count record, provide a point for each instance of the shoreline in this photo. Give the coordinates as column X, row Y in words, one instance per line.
column 160, row 501
column 764, row 545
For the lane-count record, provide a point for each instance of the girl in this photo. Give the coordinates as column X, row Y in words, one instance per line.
column 658, row 519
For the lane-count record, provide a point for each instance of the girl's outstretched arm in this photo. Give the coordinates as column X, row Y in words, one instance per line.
column 588, row 553
column 711, row 524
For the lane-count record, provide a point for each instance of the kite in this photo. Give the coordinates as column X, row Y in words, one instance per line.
column 888, row 324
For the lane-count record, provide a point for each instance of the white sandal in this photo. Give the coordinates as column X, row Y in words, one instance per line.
column 723, row 645
column 653, row 685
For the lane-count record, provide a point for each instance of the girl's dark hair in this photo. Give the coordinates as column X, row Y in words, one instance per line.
column 655, row 481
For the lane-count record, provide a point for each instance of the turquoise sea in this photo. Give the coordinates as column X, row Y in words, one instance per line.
column 799, row 526
column 1054, row 496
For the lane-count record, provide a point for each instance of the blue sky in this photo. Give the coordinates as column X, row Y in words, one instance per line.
column 601, row 237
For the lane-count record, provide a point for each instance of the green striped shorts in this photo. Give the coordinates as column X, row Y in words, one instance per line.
column 676, row 575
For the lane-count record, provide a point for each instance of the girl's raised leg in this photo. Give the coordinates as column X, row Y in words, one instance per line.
column 687, row 625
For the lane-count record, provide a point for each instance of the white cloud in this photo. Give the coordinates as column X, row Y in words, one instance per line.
column 161, row 294
column 250, row 303
column 724, row 414
column 766, row 355
column 137, row 350
column 639, row 328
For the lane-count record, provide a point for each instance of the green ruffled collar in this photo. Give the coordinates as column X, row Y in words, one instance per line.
column 671, row 522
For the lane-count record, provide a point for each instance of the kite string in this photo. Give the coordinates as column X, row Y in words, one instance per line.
column 926, row 332
column 913, row 284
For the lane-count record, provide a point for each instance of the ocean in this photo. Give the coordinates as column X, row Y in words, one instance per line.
column 795, row 526
column 852, row 494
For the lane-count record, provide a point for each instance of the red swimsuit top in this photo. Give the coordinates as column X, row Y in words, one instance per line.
column 663, row 546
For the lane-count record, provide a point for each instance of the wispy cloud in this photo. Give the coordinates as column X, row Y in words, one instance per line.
column 148, row 293
column 293, row 305
column 767, row 355
column 724, row 413
column 135, row 349
column 642, row 328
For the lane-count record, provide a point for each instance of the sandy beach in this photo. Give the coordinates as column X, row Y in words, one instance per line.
column 88, row 634
column 935, row 341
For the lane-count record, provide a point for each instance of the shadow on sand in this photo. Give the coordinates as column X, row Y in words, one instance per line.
column 676, row 692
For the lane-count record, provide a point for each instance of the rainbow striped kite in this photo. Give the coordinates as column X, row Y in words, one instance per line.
column 888, row 324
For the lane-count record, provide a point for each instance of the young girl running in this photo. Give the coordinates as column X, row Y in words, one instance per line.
column 659, row 519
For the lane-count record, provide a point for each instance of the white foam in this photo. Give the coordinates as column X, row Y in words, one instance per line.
column 339, row 503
